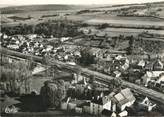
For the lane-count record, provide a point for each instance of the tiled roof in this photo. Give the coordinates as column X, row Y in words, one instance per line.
column 119, row 97
column 124, row 96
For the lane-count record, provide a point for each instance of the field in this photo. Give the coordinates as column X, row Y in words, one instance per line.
column 126, row 30
column 95, row 14
column 125, row 22
column 29, row 8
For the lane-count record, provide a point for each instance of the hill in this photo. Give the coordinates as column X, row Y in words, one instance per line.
column 127, row 14
column 29, row 8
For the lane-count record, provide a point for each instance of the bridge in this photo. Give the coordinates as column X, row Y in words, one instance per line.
column 84, row 71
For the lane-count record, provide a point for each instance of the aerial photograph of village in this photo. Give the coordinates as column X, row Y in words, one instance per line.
column 81, row 58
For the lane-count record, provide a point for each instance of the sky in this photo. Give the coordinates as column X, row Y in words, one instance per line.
column 79, row 2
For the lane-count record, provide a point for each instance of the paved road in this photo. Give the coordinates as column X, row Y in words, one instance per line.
column 105, row 78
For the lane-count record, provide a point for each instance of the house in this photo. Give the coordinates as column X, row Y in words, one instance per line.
column 95, row 52
column 86, row 108
column 147, row 104
column 101, row 34
column 124, row 99
column 125, row 66
column 87, row 30
column 123, row 114
column 4, row 36
column 142, row 63
column 73, row 104
column 77, row 53
column 31, row 36
column 79, row 106
column 49, row 47
column 119, row 57
column 107, row 57
column 64, row 39
column 161, row 78
column 149, row 66
column 98, row 104
column 115, row 65
column 113, row 104
column 77, row 77
column 120, row 63
column 151, row 76
column 158, row 65
column 71, row 63
column 79, row 110
column 117, row 74
column 14, row 47
column 64, row 106
column 1, row 34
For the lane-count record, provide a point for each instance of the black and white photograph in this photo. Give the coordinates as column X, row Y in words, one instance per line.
column 81, row 58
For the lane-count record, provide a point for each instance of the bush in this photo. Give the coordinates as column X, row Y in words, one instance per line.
column 103, row 26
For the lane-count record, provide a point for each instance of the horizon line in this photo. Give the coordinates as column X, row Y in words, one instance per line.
column 130, row 3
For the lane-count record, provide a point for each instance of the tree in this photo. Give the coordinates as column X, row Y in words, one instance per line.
column 84, row 25
column 79, row 91
column 131, row 45
column 52, row 93
column 24, row 75
column 17, row 77
column 86, row 58
column 104, row 25
column 115, row 83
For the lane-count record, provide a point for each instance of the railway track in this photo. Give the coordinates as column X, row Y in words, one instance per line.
column 84, row 71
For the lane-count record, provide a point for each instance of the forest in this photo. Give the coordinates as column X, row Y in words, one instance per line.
column 58, row 28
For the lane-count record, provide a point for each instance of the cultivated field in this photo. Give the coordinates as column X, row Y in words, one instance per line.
column 95, row 14
column 125, row 22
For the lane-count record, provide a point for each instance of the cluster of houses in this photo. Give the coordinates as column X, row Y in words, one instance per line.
column 104, row 102
column 153, row 73
column 154, row 79
column 113, row 103
column 37, row 45
column 111, row 63
column 101, row 39
column 147, row 71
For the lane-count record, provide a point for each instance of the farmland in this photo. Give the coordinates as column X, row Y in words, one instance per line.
column 125, row 22
column 93, row 14
column 25, row 9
